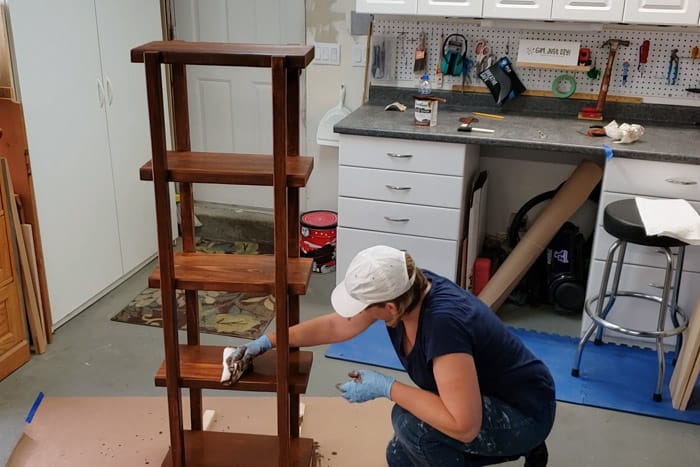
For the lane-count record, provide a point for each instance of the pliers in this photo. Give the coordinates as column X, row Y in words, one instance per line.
column 672, row 75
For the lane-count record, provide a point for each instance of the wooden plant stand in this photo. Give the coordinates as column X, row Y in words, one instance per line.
column 284, row 371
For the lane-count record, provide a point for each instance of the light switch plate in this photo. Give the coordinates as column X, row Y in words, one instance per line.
column 326, row 53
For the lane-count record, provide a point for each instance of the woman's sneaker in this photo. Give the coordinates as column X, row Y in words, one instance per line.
column 537, row 457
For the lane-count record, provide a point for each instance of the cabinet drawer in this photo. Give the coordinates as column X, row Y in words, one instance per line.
column 518, row 9
column 439, row 256
column 401, row 187
column 407, row 219
column 606, row 11
column 645, row 255
column 638, row 254
column 636, row 313
column 400, row 154
column 650, row 178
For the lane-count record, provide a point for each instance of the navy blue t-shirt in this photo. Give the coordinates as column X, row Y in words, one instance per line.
column 453, row 320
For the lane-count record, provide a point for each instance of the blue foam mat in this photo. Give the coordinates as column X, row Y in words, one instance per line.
column 616, row 377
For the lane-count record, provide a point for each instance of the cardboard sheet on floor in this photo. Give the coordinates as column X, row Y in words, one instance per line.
column 133, row 431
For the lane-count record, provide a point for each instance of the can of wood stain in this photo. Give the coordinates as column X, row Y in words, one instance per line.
column 318, row 239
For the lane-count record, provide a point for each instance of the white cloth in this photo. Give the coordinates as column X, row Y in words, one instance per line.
column 674, row 218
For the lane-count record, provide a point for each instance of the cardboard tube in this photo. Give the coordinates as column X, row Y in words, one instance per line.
column 567, row 200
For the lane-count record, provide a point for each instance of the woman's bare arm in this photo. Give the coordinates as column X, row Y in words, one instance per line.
column 325, row 329
column 456, row 411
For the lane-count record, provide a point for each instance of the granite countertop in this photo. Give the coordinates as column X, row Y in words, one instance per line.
column 661, row 141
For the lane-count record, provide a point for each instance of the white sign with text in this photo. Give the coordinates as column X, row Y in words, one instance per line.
column 548, row 52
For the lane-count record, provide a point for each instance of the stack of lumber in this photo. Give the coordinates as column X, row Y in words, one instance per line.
column 685, row 375
column 23, row 242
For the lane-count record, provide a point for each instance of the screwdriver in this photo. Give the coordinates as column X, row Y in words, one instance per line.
column 643, row 56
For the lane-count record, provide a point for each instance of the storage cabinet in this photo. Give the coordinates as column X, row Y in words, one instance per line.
column 605, row 11
column 284, row 274
column 643, row 271
column 389, row 7
column 682, row 12
column 518, row 9
column 87, row 132
column 450, row 7
column 662, row 11
column 405, row 194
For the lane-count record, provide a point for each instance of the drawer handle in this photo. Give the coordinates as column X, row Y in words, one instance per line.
column 681, row 181
column 657, row 286
column 397, row 219
column 399, row 156
column 673, row 253
column 398, row 188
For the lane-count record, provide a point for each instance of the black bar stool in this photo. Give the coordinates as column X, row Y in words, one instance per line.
column 621, row 219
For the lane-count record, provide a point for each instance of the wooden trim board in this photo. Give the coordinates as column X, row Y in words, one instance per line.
column 538, row 93
column 687, row 367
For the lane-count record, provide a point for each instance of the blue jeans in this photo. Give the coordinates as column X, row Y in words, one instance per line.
column 505, row 431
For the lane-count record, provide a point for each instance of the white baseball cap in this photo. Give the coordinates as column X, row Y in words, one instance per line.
column 377, row 274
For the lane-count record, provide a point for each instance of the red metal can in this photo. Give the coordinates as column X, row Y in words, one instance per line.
column 317, row 239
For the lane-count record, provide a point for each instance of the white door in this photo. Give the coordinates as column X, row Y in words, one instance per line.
column 518, row 9
column 121, row 29
column 662, row 11
column 606, row 11
column 58, row 65
column 450, row 7
column 395, row 7
column 231, row 108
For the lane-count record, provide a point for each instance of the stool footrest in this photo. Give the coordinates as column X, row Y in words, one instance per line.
column 630, row 331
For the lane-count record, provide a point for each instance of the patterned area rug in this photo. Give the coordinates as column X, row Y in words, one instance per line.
column 233, row 314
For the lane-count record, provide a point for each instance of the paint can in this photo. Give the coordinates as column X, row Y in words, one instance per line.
column 426, row 110
column 318, row 239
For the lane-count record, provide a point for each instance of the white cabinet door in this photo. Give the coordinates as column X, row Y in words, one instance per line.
column 518, row 9
column 450, row 7
column 56, row 48
column 606, row 11
column 662, row 11
column 121, row 29
column 390, row 7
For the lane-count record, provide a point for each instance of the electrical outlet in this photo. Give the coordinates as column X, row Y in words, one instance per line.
column 326, row 53
column 359, row 55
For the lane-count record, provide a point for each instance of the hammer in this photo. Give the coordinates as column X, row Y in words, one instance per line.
column 596, row 113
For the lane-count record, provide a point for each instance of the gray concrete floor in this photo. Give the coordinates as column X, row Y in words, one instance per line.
column 93, row 356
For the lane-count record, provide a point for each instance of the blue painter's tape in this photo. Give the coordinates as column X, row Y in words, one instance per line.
column 608, row 152
column 34, row 408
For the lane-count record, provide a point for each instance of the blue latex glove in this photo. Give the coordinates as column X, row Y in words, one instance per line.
column 258, row 346
column 367, row 386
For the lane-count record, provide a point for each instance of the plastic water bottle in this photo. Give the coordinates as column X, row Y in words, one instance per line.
column 424, row 87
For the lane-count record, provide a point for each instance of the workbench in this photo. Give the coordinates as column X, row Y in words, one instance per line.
column 533, row 128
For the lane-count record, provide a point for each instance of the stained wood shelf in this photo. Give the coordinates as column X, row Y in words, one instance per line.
column 283, row 274
column 200, row 367
column 225, row 54
column 221, row 449
column 234, row 273
column 234, row 169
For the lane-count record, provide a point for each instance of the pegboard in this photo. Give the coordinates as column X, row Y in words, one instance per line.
column 400, row 37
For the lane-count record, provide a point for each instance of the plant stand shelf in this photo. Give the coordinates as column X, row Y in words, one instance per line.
column 284, row 274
